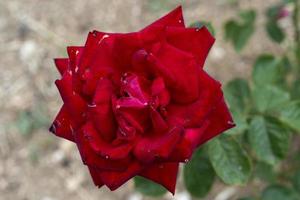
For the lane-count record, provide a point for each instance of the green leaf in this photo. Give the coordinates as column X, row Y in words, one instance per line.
column 267, row 70
column 229, row 160
column 278, row 192
column 148, row 187
column 274, row 31
column 199, row 174
column 247, row 198
column 269, row 139
column 208, row 25
column 269, row 98
column 296, row 181
column 239, row 32
column 296, row 89
column 237, row 94
column 265, row 172
column 290, row 115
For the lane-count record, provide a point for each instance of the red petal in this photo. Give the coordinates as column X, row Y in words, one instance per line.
column 219, row 121
column 90, row 158
column 113, row 180
column 62, row 126
column 62, row 64
column 195, row 41
column 106, row 150
column 133, row 111
column 75, row 105
column 173, row 18
column 74, row 53
column 158, row 123
column 189, row 142
column 95, row 176
column 194, row 114
column 179, row 71
column 101, row 110
column 164, row 174
column 159, row 89
column 158, row 146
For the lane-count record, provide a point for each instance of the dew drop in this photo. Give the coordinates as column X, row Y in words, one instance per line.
column 180, row 21
column 197, row 29
column 92, row 105
column 118, row 106
column 77, row 52
column 106, row 157
column 76, row 69
column 186, row 160
column 145, row 104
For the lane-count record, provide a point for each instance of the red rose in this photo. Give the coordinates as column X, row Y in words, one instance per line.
column 140, row 103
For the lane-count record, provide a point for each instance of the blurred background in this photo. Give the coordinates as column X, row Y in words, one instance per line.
column 36, row 165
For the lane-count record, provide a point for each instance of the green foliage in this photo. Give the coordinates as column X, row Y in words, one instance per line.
column 230, row 160
column 268, row 139
column 273, row 29
column 148, row 187
column 268, row 70
column 199, row 174
column 238, row 32
column 278, row 192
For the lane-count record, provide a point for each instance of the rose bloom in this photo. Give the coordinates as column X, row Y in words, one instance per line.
column 140, row 103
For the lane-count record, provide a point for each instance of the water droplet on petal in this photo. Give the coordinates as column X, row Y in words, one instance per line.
column 197, row 29
column 180, row 21
column 92, row 105
column 118, row 106
column 106, row 157
column 77, row 52
column 186, row 160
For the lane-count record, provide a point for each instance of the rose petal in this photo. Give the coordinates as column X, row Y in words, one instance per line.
column 157, row 146
column 113, row 180
column 220, row 120
column 90, row 158
column 95, row 176
column 74, row 53
column 101, row 110
column 193, row 40
column 158, row 123
column 164, row 174
column 168, row 63
column 106, row 150
column 62, row 64
column 173, row 18
column 193, row 115
column 189, row 142
column 133, row 111
column 62, row 125
column 159, row 89
column 75, row 105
